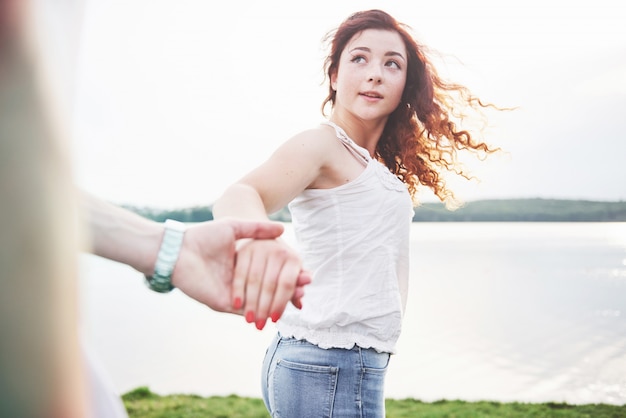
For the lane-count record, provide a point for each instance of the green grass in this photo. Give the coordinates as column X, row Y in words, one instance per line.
column 142, row 403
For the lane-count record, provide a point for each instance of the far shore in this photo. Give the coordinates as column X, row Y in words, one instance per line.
column 493, row 210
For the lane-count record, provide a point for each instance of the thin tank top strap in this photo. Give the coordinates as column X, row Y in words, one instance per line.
column 357, row 151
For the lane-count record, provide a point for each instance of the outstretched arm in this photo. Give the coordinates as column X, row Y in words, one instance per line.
column 121, row 235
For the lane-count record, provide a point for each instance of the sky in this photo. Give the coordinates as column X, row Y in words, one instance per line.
column 174, row 101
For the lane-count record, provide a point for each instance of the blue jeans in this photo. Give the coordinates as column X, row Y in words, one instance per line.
column 301, row 380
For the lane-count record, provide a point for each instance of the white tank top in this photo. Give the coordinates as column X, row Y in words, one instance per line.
column 354, row 238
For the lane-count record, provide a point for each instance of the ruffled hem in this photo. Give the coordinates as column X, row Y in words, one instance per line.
column 332, row 339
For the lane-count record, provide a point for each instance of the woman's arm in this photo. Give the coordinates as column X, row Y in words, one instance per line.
column 271, row 264
column 292, row 168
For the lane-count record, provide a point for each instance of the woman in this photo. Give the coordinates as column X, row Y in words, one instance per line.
column 349, row 184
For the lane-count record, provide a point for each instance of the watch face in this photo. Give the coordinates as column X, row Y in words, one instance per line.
column 159, row 284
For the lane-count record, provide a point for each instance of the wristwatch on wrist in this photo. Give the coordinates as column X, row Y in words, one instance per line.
column 161, row 280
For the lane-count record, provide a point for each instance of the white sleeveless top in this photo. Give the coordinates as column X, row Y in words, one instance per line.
column 354, row 238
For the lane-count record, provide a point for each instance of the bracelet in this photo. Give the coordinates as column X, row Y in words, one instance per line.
column 161, row 280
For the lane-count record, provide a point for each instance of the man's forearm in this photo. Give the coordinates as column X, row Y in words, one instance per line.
column 121, row 235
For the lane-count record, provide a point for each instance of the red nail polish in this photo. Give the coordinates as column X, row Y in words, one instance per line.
column 237, row 303
column 249, row 317
column 260, row 324
column 275, row 316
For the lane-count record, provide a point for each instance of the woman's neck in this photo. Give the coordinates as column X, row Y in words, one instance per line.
column 364, row 133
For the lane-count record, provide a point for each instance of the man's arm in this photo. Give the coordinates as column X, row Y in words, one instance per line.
column 121, row 235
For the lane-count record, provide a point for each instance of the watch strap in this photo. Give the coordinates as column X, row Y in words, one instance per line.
column 161, row 280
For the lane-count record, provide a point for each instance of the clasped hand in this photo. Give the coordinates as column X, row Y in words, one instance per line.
column 268, row 273
column 257, row 279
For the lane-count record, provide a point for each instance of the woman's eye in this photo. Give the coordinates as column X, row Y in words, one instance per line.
column 393, row 64
column 358, row 59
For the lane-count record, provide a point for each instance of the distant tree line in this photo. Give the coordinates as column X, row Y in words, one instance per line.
column 524, row 210
column 504, row 210
column 193, row 214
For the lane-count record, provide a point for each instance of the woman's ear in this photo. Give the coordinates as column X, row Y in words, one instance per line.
column 333, row 81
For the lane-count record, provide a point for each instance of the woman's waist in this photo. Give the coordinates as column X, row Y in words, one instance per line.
column 341, row 327
column 358, row 334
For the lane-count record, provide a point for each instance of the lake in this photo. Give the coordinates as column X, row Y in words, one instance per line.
column 529, row 312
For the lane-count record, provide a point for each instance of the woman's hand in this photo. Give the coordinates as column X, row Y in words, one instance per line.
column 268, row 274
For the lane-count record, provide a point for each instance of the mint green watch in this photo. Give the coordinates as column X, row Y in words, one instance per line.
column 161, row 280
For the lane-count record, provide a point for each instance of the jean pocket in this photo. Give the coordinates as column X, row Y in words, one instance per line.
column 303, row 390
column 374, row 362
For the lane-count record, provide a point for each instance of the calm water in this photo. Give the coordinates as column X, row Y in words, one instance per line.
column 500, row 311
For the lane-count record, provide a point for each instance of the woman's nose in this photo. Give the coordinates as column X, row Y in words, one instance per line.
column 375, row 75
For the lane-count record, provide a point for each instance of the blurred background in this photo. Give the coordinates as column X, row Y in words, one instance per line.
column 175, row 101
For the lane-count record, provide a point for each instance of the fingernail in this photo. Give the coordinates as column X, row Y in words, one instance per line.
column 275, row 316
column 298, row 305
column 260, row 324
column 237, row 303
column 249, row 317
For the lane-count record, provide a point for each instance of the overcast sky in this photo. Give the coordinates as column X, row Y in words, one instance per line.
column 177, row 99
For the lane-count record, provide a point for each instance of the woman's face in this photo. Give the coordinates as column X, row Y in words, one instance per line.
column 371, row 74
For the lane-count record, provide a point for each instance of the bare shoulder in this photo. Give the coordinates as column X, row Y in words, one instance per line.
column 319, row 140
column 319, row 152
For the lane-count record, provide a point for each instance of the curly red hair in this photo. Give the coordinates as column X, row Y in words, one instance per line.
column 421, row 139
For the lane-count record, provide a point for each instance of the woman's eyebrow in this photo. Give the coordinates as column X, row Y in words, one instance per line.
column 387, row 54
column 360, row 48
column 395, row 54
